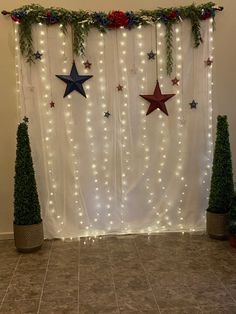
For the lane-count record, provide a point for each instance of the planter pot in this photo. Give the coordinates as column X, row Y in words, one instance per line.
column 232, row 240
column 28, row 238
column 217, row 226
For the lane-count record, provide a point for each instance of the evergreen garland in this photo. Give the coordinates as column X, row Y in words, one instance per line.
column 26, row 202
column 222, row 186
column 82, row 21
column 169, row 55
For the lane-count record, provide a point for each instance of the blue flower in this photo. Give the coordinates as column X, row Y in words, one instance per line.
column 101, row 18
column 133, row 19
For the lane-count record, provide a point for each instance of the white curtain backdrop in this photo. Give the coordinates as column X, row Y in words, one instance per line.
column 128, row 173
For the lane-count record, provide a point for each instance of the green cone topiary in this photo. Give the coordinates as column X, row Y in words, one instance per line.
column 26, row 202
column 222, row 186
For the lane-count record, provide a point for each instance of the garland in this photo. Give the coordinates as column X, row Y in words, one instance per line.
column 82, row 21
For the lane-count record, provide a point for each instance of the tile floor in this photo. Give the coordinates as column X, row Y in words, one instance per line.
column 167, row 274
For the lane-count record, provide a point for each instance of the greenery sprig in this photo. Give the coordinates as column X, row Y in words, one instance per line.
column 82, row 21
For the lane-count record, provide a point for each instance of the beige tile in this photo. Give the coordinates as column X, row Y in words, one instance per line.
column 5, row 278
column 136, row 300
column 93, row 259
column 30, row 276
column 20, row 307
column 227, row 309
column 2, row 294
column 31, row 264
column 97, row 309
column 165, row 278
column 97, row 272
column 211, row 295
column 97, row 294
column 130, row 279
column 63, row 259
column 59, row 306
column 23, row 291
column 66, row 289
column 173, row 296
column 139, row 312
column 182, row 310
column 58, row 274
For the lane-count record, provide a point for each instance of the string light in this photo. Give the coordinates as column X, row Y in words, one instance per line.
column 18, row 76
column 47, row 128
column 209, row 153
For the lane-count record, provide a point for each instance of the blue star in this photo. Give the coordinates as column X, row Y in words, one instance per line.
column 107, row 114
column 151, row 55
column 74, row 81
column 38, row 55
column 193, row 104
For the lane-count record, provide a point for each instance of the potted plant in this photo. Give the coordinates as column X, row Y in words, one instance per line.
column 28, row 227
column 232, row 223
column 222, row 187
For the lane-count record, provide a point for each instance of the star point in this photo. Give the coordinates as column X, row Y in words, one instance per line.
column 157, row 100
column 52, row 104
column 74, row 81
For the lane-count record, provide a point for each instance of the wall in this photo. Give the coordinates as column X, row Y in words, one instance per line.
column 224, row 78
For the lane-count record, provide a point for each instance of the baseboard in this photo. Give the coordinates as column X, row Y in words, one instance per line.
column 6, row 236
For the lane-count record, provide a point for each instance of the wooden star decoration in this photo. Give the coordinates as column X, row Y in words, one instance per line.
column 193, row 104
column 26, row 119
column 52, row 104
column 87, row 65
column 157, row 100
column 151, row 55
column 208, row 62
column 38, row 55
column 175, row 81
column 119, row 88
column 107, row 114
column 74, row 81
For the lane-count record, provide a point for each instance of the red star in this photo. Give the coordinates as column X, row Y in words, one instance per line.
column 208, row 62
column 87, row 65
column 119, row 88
column 175, row 81
column 52, row 104
column 157, row 100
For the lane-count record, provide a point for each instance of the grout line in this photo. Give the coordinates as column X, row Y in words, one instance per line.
column 112, row 277
column 141, row 263
column 40, row 299
column 79, row 242
column 10, row 281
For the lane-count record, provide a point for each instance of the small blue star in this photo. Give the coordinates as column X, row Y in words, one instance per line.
column 38, row 55
column 151, row 55
column 107, row 114
column 193, row 104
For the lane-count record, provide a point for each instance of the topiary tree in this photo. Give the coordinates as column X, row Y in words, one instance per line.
column 222, row 186
column 26, row 202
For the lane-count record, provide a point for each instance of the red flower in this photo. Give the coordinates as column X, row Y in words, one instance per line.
column 172, row 15
column 117, row 19
column 206, row 16
column 15, row 19
column 49, row 14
